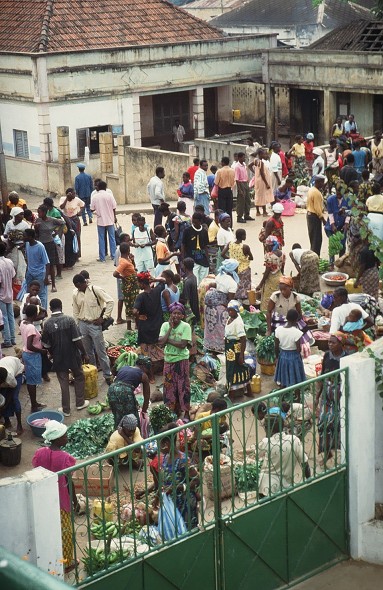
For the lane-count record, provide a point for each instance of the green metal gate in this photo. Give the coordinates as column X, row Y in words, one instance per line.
column 260, row 543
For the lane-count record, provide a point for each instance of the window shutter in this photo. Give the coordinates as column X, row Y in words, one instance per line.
column 82, row 141
column 21, row 143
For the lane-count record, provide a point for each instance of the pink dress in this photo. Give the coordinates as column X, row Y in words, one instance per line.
column 262, row 195
column 56, row 461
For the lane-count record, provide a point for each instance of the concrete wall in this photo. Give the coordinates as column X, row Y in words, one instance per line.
column 365, row 439
column 249, row 99
column 141, row 163
column 30, row 511
column 362, row 106
column 296, row 36
column 21, row 116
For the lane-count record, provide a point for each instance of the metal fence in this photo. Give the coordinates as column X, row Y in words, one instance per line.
column 205, row 472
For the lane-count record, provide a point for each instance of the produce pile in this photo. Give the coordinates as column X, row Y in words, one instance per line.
column 335, row 243
column 127, row 357
column 324, row 265
column 98, row 407
column 160, row 416
column 265, row 349
column 89, row 436
column 246, row 476
column 255, row 323
column 129, row 339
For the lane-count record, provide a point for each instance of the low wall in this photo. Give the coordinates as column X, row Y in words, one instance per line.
column 140, row 166
column 23, row 175
column 213, row 151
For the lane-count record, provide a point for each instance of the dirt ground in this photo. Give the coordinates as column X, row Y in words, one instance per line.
column 349, row 575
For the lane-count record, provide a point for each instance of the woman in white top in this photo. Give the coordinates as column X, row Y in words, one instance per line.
column 225, row 234
column 289, row 369
column 237, row 372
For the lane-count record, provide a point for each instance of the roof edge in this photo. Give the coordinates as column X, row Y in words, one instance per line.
column 44, row 33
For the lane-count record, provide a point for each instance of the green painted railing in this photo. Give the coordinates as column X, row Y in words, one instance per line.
column 16, row 574
column 242, row 471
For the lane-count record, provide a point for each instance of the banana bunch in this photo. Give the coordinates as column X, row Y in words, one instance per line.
column 126, row 358
column 98, row 407
column 98, row 559
column 105, row 529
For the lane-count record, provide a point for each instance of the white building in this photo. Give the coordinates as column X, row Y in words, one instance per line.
column 129, row 68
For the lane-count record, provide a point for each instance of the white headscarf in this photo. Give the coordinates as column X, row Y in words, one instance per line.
column 54, row 430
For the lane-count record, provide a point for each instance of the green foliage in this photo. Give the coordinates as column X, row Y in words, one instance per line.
column 335, row 244
column 323, row 265
column 265, row 349
column 160, row 416
column 89, row 436
column 378, row 371
column 246, row 476
column 255, row 324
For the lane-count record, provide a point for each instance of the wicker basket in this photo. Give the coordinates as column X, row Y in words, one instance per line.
column 267, row 368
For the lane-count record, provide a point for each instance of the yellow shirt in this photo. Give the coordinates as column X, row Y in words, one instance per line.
column 298, row 150
column 225, row 177
column 375, row 203
column 315, row 202
column 117, row 441
column 20, row 203
column 207, row 424
column 87, row 306
column 212, row 232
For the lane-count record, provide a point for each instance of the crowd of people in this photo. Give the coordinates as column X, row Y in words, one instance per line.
column 191, row 273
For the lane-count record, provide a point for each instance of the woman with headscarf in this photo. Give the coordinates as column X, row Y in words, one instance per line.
column 14, row 232
column 225, row 235
column 126, row 434
column 176, row 338
column 54, row 459
column 147, row 312
column 279, row 304
column 215, row 308
column 274, row 264
column 328, row 398
column 274, row 226
column 242, row 254
column 121, row 397
column 237, row 372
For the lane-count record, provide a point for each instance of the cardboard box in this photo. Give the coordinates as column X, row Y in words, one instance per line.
column 99, row 481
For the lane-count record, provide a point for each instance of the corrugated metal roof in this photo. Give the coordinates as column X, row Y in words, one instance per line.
column 359, row 35
column 75, row 25
column 286, row 13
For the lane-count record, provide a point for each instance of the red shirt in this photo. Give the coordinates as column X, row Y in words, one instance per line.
column 285, row 170
column 192, row 170
column 309, row 146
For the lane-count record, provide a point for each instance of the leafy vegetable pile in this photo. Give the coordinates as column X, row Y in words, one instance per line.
column 246, row 476
column 265, row 349
column 255, row 324
column 310, row 307
column 160, row 416
column 129, row 339
column 89, row 436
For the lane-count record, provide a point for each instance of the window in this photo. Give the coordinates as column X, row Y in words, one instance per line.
column 167, row 108
column 89, row 137
column 20, row 139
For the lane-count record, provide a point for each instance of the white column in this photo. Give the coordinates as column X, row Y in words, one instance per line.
column 136, row 112
column 29, row 503
column 361, row 446
column 198, row 112
column 42, row 99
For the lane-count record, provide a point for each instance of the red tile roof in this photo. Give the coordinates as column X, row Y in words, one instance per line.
column 75, row 25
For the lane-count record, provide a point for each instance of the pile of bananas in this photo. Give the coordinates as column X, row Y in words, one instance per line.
column 98, row 407
column 323, row 265
column 98, row 559
column 104, row 530
column 127, row 357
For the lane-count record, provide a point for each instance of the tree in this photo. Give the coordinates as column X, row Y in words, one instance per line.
column 377, row 10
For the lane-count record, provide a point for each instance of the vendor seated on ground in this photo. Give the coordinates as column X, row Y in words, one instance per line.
column 261, row 411
column 126, row 434
column 284, row 192
column 202, row 437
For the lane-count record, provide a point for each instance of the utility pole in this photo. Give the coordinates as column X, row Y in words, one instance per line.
column 3, row 175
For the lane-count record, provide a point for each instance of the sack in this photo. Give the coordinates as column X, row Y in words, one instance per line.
column 226, row 477
column 214, row 192
column 170, row 522
column 117, row 233
column 106, row 323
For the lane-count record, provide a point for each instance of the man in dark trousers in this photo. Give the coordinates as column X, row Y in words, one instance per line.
column 63, row 339
column 83, row 185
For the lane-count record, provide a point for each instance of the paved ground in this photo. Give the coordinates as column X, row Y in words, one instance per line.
column 349, row 575
column 101, row 274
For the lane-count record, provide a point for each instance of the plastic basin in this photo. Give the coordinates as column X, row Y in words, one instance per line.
column 51, row 414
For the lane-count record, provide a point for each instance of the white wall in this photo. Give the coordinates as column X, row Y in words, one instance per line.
column 30, row 517
column 22, row 116
column 90, row 113
column 365, row 424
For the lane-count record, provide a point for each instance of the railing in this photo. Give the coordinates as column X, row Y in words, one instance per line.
column 247, row 457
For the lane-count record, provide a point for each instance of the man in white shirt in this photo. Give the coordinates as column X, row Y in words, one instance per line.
column 201, row 187
column 11, row 378
column 7, row 272
column 342, row 308
column 103, row 205
column 156, row 193
column 178, row 134
column 275, row 165
column 284, row 461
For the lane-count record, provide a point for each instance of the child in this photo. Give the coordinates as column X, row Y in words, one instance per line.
column 189, row 295
column 124, row 239
column 127, row 273
column 143, row 239
column 135, row 216
column 289, row 369
column 211, row 177
column 32, row 355
column 186, row 193
column 165, row 258
column 354, row 326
